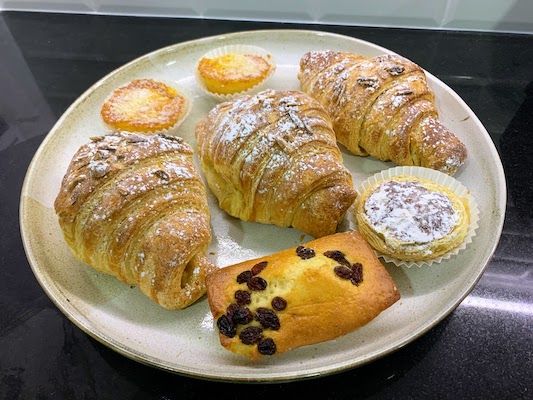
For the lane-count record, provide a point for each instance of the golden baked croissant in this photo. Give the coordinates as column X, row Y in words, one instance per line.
column 304, row 295
column 381, row 106
column 134, row 206
column 273, row 158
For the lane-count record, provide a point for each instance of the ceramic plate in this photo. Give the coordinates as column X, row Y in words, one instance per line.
column 184, row 341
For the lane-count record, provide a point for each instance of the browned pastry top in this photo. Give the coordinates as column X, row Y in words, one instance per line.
column 382, row 106
column 273, row 158
column 307, row 294
column 134, row 206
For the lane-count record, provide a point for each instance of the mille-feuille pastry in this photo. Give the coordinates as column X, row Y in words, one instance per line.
column 300, row 296
column 272, row 158
column 145, row 106
column 382, row 106
column 233, row 73
column 134, row 206
column 411, row 218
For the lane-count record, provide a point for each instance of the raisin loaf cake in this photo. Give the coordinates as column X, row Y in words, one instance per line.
column 300, row 296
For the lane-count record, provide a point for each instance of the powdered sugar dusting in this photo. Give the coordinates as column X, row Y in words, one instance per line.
column 409, row 212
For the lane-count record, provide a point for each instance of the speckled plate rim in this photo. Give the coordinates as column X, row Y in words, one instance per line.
column 271, row 375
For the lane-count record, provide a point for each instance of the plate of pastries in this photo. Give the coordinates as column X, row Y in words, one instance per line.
column 263, row 206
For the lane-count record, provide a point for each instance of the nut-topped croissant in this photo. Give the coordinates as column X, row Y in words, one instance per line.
column 273, row 158
column 381, row 106
column 134, row 206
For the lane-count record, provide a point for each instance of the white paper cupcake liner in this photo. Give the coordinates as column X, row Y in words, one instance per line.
column 434, row 176
column 172, row 129
column 237, row 49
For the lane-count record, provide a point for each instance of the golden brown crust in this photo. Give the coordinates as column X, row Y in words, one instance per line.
column 144, row 105
column 411, row 218
column 134, row 206
column 381, row 106
column 272, row 158
column 320, row 304
column 233, row 73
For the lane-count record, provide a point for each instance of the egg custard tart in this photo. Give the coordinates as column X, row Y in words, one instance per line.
column 233, row 73
column 145, row 105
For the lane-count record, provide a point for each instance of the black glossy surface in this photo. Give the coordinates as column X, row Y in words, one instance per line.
column 484, row 349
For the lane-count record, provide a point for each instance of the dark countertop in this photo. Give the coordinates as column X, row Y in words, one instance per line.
column 485, row 351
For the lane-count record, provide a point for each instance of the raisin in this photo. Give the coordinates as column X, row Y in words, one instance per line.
column 267, row 318
column 242, row 315
column 354, row 273
column 226, row 326
column 251, row 335
column 231, row 309
column 244, row 276
column 343, row 272
column 357, row 274
column 257, row 268
column 337, row 256
column 279, row 303
column 257, row 283
column 305, row 253
column 267, row 347
column 243, row 297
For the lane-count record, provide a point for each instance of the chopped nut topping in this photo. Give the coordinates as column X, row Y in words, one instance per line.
column 369, row 82
column 395, row 70
column 162, row 174
column 404, row 93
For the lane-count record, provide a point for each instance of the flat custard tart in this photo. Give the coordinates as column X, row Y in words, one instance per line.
column 411, row 218
column 144, row 105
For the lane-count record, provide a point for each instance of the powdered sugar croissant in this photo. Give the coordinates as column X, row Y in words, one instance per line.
column 273, row 158
column 381, row 106
column 134, row 206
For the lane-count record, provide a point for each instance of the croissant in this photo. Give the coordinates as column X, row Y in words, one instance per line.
column 381, row 106
column 134, row 206
column 273, row 158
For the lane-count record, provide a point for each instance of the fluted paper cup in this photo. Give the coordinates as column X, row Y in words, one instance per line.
column 434, row 176
column 237, row 49
column 171, row 130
